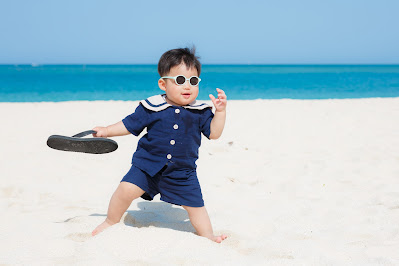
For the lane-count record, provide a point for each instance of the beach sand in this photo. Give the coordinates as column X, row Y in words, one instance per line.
column 291, row 182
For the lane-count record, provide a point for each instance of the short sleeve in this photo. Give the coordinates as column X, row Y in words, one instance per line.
column 136, row 122
column 206, row 119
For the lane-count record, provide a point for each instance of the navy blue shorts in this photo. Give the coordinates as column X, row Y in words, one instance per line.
column 179, row 191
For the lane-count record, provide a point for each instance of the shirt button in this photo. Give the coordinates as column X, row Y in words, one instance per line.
column 172, row 142
column 177, row 111
column 169, row 156
column 175, row 126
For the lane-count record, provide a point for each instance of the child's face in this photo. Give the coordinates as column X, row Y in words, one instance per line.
column 179, row 94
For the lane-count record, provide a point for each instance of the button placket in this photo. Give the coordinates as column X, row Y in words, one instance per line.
column 172, row 142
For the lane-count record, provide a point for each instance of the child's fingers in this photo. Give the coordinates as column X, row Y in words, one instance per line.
column 220, row 100
column 220, row 91
column 95, row 129
column 100, row 132
column 214, row 100
column 222, row 97
column 221, row 94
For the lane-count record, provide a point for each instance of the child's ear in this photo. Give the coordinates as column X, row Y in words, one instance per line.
column 162, row 84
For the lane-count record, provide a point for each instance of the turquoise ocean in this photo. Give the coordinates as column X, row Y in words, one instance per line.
column 55, row 83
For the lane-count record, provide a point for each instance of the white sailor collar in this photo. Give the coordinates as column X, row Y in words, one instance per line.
column 158, row 103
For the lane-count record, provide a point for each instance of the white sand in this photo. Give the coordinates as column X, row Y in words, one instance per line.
column 291, row 182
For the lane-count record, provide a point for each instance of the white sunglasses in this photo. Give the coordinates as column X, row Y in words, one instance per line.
column 180, row 80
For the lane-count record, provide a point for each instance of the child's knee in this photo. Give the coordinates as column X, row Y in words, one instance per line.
column 187, row 208
column 194, row 209
column 129, row 191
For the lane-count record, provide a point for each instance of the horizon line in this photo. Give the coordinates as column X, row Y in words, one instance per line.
column 204, row 64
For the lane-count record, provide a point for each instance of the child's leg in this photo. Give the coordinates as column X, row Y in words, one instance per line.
column 120, row 201
column 199, row 218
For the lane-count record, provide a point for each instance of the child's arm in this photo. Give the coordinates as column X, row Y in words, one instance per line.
column 218, row 121
column 114, row 130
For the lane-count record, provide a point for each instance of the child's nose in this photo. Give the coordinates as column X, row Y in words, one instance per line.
column 186, row 85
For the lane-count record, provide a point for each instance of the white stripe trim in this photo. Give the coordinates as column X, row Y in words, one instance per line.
column 158, row 103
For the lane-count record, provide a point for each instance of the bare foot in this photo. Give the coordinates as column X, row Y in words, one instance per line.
column 218, row 239
column 104, row 225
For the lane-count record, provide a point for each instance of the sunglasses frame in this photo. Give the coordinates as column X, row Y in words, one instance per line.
column 175, row 78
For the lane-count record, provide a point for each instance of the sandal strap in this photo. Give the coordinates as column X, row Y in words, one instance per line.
column 85, row 133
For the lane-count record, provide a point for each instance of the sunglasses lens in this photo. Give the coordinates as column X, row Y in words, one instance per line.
column 180, row 80
column 194, row 81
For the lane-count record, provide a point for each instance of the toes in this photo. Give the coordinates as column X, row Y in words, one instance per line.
column 98, row 230
column 219, row 239
column 95, row 232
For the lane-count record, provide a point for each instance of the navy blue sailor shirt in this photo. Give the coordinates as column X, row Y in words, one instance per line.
column 173, row 135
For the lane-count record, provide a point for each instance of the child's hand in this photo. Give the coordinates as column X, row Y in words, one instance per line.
column 220, row 102
column 101, row 132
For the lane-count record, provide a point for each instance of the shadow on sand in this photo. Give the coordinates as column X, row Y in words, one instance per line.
column 159, row 214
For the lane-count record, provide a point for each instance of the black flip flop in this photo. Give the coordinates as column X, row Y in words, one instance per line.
column 78, row 144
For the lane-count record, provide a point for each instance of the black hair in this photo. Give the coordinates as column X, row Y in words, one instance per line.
column 176, row 57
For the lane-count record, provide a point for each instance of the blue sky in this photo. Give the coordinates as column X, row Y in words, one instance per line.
column 224, row 32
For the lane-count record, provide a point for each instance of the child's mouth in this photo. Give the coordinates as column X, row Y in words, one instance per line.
column 186, row 95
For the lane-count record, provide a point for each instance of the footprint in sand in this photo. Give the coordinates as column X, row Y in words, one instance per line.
column 76, row 219
column 143, row 219
column 10, row 192
column 77, row 224
column 79, row 237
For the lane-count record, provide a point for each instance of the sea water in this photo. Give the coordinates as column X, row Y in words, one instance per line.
column 27, row 83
